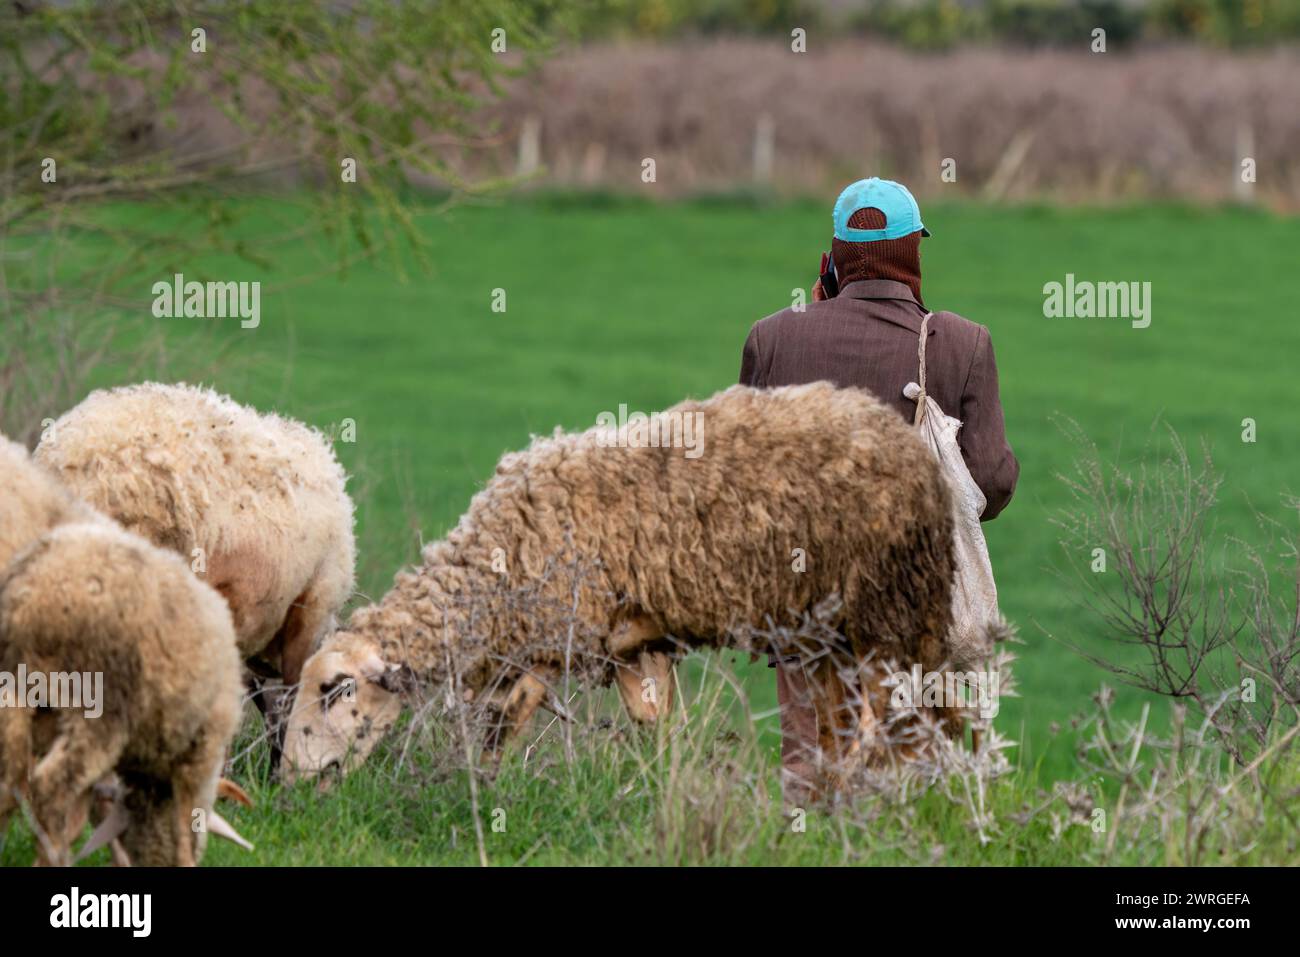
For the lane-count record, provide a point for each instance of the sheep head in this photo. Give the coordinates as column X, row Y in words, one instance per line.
column 347, row 700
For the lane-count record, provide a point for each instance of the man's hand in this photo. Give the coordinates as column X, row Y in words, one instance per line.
column 819, row 291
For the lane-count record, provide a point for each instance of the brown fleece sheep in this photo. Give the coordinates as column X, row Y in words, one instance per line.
column 699, row 545
column 256, row 503
column 93, row 598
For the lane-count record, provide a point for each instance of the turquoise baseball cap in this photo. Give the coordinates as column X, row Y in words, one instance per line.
column 902, row 215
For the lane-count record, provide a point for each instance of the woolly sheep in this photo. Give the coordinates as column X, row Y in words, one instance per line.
column 94, row 598
column 256, row 502
column 700, row 547
column 33, row 502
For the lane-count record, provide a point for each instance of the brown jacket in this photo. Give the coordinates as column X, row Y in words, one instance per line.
column 867, row 337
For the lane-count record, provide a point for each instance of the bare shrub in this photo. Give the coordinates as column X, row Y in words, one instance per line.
column 1192, row 613
column 700, row 776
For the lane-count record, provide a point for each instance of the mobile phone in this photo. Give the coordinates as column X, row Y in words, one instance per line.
column 830, row 282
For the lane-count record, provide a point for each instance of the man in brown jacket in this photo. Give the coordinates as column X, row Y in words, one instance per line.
column 866, row 335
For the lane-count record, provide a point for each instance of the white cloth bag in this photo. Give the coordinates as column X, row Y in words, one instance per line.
column 974, row 593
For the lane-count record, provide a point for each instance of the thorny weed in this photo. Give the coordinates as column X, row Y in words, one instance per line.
column 703, row 768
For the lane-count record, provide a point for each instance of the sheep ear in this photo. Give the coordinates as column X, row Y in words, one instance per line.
column 109, row 829
column 218, row 826
column 395, row 679
column 372, row 667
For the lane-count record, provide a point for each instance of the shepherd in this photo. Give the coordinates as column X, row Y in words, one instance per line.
column 862, row 329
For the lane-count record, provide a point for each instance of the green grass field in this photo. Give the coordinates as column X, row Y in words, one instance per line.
column 628, row 302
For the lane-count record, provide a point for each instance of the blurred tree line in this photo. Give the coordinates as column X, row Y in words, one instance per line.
column 938, row 24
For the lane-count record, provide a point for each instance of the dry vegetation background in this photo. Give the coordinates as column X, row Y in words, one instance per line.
column 1170, row 122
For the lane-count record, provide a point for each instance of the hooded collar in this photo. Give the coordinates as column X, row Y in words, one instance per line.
column 908, row 318
column 879, row 289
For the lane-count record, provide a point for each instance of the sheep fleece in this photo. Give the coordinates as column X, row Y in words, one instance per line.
column 32, row 502
column 187, row 468
column 95, row 598
column 704, row 546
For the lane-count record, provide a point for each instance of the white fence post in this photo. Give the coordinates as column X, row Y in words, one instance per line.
column 764, row 148
column 530, row 146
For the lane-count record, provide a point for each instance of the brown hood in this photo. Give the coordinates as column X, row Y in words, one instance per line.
column 896, row 259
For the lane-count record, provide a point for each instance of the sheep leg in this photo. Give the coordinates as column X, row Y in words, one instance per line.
column 866, row 741
column 181, row 810
column 303, row 624
column 7, row 801
column 62, row 780
column 269, row 700
column 631, row 634
column 194, row 789
column 647, row 686
column 106, row 802
column 292, row 646
column 645, row 678
column 521, row 703
column 16, row 743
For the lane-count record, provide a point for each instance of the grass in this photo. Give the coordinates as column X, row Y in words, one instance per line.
column 643, row 304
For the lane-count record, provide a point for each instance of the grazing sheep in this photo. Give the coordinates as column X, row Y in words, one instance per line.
column 255, row 502
column 798, row 497
column 94, row 599
column 34, row 503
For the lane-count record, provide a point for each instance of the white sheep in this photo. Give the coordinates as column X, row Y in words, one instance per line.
column 256, row 503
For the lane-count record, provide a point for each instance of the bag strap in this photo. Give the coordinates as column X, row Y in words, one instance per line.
column 920, row 355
